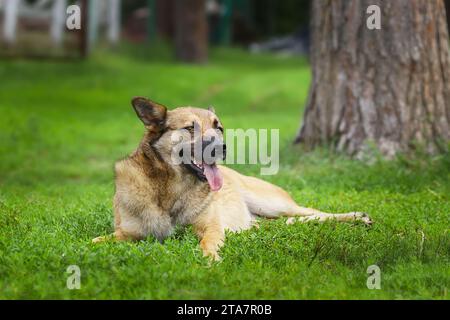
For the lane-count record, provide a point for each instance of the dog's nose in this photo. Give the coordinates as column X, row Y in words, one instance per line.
column 224, row 151
column 218, row 148
column 219, row 151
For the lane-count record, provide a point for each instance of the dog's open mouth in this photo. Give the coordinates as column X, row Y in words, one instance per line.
column 207, row 172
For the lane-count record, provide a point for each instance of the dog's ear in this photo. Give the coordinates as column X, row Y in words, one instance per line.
column 211, row 108
column 152, row 114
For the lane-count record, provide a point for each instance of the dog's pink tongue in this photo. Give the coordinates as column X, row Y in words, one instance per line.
column 213, row 176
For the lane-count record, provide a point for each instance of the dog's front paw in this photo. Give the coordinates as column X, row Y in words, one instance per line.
column 210, row 251
column 214, row 256
column 211, row 254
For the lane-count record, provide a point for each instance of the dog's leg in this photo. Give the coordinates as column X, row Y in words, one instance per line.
column 211, row 242
column 267, row 200
column 212, row 237
column 341, row 217
column 211, row 233
column 226, row 212
column 132, row 231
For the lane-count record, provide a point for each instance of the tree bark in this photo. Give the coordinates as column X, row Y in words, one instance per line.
column 191, row 31
column 447, row 6
column 387, row 88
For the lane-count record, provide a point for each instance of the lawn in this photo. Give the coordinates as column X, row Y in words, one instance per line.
column 63, row 124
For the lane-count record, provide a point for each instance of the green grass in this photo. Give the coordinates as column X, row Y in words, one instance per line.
column 63, row 124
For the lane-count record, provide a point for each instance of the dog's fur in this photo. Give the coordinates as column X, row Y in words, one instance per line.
column 153, row 195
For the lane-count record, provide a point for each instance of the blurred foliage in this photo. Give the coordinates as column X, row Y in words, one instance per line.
column 128, row 6
column 260, row 18
column 273, row 17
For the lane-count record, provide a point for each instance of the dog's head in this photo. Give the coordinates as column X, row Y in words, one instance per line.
column 189, row 139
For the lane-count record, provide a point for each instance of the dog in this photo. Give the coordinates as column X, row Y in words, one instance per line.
column 153, row 194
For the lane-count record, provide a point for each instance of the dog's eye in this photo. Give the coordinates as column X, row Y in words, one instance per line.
column 189, row 128
column 220, row 128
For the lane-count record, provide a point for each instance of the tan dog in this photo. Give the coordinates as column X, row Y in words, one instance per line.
column 153, row 194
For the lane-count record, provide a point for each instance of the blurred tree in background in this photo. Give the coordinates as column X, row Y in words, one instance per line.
column 191, row 31
column 230, row 21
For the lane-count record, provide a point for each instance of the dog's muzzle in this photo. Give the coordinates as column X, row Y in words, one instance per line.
column 204, row 165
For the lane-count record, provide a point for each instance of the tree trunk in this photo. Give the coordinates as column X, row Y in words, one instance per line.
column 191, row 31
column 387, row 88
column 447, row 6
column 165, row 19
